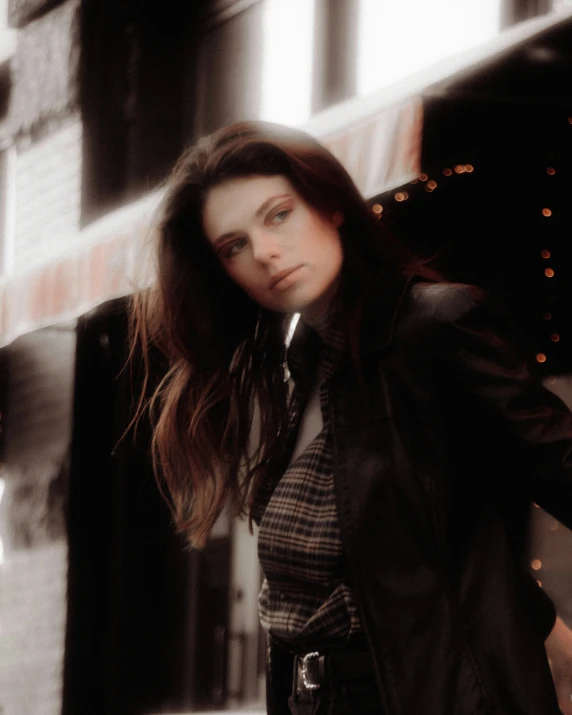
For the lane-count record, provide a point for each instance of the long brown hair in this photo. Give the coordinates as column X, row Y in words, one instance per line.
column 225, row 355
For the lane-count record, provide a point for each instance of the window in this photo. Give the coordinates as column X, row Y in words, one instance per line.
column 399, row 39
column 287, row 58
column 137, row 74
column 255, row 62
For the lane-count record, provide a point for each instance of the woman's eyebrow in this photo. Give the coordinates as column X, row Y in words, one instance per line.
column 267, row 203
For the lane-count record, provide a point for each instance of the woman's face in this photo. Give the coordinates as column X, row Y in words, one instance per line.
column 280, row 251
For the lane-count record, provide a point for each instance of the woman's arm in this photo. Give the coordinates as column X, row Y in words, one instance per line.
column 475, row 341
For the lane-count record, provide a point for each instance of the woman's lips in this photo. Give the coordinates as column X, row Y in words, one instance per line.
column 284, row 279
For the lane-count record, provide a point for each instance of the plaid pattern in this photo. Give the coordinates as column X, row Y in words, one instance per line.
column 305, row 598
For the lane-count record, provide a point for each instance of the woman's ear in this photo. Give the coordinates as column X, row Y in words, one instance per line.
column 338, row 219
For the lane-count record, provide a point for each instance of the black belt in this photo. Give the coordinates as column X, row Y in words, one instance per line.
column 314, row 670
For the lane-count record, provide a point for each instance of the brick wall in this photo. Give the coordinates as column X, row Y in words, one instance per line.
column 48, row 195
column 32, row 608
column 33, row 577
column 561, row 5
column 44, row 70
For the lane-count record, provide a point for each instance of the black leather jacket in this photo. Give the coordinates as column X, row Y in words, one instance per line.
column 436, row 465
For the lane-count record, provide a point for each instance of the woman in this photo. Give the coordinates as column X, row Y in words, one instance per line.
column 389, row 457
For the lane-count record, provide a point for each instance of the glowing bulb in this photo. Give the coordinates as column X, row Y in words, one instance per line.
column 447, row 172
column 460, row 169
column 423, row 177
column 546, row 212
column 550, row 171
column 545, row 254
column 536, row 564
column 432, row 184
column 549, row 273
column 377, row 208
column 539, row 582
column 541, row 357
column 555, row 337
column 469, row 168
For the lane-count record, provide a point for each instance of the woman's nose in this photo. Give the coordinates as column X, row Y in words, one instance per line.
column 265, row 247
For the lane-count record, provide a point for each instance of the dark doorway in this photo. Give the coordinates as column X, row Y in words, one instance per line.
column 140, row 604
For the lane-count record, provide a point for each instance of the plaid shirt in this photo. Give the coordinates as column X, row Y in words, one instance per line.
column 305, row 597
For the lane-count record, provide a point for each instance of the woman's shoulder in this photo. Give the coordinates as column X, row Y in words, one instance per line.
column 445, row 301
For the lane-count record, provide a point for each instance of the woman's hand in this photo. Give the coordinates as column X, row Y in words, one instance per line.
column 559, row 651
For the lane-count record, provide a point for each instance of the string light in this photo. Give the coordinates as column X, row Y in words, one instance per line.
column 545, row 254
column 536, row 564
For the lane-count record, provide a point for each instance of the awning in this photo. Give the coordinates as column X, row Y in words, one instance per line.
column 110, row 262
column 377, row 137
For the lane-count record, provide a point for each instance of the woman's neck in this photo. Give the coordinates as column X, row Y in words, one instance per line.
column 319, row 316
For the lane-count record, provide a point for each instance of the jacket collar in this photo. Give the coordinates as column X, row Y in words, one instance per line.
column 308, row 349
column 381, row 309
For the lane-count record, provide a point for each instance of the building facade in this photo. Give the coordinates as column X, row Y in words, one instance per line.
column 102, row 610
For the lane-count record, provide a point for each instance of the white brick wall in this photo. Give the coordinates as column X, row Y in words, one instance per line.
column 32, row 630
column 48, row 195
column 37, row 415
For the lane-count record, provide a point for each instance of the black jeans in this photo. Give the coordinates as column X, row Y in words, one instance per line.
column 346, row 683
column 359, row 697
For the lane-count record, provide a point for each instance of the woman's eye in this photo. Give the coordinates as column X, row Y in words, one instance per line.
column 280, row 216
column 234, row 248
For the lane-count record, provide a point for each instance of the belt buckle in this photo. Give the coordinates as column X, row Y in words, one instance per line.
column 314, row 655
